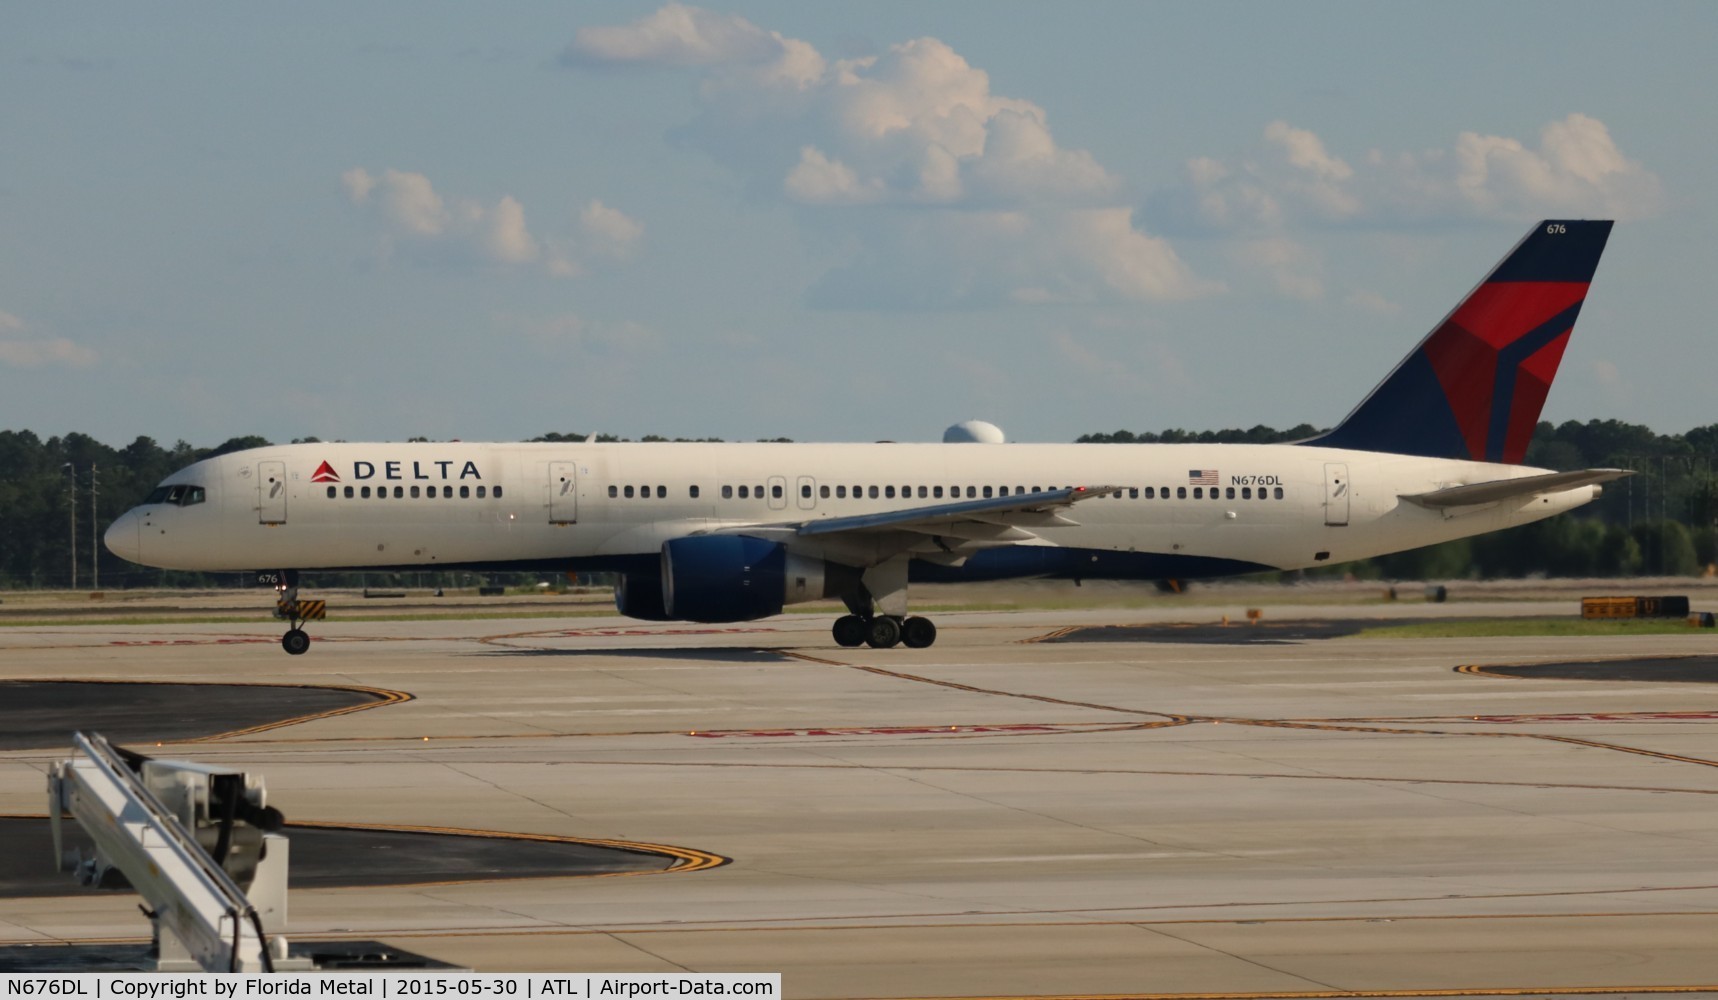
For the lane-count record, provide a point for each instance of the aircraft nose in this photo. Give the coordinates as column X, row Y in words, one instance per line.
column 124, row 537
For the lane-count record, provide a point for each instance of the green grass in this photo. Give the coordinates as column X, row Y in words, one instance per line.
column 1481, row 628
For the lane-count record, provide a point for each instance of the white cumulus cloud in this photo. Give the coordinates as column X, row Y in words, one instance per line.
column 950, row 191
column 21, row 351
column 676, row 35
column 1574, row 169
column 419, row 221
column 609, row 231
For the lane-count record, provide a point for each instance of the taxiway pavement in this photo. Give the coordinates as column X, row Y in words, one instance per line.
column 993, row 816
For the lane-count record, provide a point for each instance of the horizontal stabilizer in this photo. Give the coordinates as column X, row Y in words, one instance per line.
column 1508, row 489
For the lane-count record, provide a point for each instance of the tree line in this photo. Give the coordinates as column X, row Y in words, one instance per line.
column 57, row 496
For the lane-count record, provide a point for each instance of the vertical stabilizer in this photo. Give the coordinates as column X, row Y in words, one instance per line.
column 1474, row 387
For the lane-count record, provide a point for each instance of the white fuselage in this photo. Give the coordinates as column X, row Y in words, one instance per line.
column 1228, row 508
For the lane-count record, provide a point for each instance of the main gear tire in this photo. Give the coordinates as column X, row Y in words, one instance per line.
column 883, row 632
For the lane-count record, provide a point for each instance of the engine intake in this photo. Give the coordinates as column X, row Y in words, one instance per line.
column 736, row 578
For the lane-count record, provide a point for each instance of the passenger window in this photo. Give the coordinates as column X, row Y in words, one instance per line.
column 1198, row 492
column 331, row 492
column 937, row 492
column 480, row 491
column 415, row 492
column 1229, row 493
column 446, row 492
column 758, row 491
column 662, row 493
column 1246, row 493
column 348, row 492
column 840, row 492
column 1133, row 493
column 1037, row 489
column 613, row 491
column 464, row 492
column 1279, row 492
column 873, row 492
column 399, row 493
column 366, row 493
column 496, row 493
column 823, row 491
column 745, row 492
column 923, row 493
column 972, row 492
column 628, row 492
column 691, row 491
column 775, row 491
column 805, row 491
column 889, row 492
column 727, row 493
column 1180, row 492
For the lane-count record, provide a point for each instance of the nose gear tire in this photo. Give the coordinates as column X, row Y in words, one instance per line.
column 295, row 641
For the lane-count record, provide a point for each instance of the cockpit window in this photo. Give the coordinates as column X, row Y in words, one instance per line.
column 181, row 495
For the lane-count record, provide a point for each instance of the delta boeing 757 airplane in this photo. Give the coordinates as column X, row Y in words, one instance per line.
column 735, row 532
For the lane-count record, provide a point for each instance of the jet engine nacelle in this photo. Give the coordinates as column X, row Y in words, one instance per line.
column 734, row 578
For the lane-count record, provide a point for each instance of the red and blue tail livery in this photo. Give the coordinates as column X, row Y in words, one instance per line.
column 1474, row 387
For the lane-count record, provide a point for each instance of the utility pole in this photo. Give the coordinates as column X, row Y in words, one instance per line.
column 72, row 506
column 94, row 546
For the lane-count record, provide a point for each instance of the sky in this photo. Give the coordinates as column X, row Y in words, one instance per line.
column 825, row 222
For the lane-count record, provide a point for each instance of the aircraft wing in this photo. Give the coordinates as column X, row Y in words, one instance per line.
column 991, row 518
column 1508, row 489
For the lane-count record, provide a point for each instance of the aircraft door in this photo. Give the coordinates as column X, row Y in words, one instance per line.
column 778, row 492
column 563, row 493
column 271, row 492
column 807, row 495
column 1336, row 490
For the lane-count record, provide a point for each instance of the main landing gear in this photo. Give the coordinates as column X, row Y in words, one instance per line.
column 296, row 641
column 883, row 631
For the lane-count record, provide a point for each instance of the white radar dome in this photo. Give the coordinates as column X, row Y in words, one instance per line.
column 973, row 432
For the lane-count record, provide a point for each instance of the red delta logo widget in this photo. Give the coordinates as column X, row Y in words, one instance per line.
column 325, row 474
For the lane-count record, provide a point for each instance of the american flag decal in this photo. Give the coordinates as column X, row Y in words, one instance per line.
column 1201, row 477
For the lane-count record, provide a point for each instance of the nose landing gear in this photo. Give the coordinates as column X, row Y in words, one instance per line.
column 296, row 641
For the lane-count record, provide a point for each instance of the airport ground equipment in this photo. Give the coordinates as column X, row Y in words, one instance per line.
column 1635, row 607
column 197, row 842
